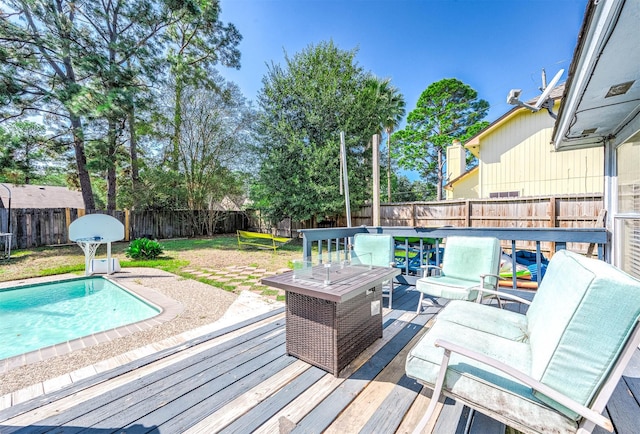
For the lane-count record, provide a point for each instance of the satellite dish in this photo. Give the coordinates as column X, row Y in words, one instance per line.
column 547, row 90
column 543, row 100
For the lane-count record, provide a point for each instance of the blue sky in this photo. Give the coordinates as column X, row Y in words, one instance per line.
column 492, row 45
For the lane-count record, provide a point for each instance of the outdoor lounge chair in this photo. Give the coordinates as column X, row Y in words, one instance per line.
column 377, row 250
column 549, row 371
column 468, row 264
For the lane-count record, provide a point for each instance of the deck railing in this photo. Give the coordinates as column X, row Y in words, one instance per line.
column 320, row 245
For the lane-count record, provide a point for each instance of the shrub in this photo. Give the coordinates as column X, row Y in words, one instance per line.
column 143, row 248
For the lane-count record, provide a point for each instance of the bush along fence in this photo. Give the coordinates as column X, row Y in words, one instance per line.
column 49, row 226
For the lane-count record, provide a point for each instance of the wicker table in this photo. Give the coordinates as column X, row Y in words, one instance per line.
column 328, row 325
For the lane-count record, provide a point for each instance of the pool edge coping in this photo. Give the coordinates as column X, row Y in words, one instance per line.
column 169, row 309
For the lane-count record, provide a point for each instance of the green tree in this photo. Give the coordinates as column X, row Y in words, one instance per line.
column 216, row 133
column 215, row 141
column 446, row 110
column 24, row 152
column 305, row 104
column 39, row 74
column 197, row 43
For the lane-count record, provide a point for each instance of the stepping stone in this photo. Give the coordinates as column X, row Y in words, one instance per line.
column 236, row 277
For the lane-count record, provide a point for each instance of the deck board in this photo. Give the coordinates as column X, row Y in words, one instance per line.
column 240, row 380
column 623, row 409
column 133, row 395
column 258, row 414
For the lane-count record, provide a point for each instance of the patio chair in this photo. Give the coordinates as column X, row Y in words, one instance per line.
column 551, row 370
column 377, row 250
column 469, row 263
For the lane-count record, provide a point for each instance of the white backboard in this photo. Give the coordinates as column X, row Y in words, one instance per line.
column 99, row 226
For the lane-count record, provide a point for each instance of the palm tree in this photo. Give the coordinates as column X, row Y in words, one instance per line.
column 388, row 109
column 392, row 109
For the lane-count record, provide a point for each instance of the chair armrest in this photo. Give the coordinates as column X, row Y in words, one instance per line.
column 564, row 400
column 501, row 294
column 427, row 267
column 498, row 294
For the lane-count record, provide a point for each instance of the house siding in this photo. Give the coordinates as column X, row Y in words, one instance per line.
column 519, row 157
column 465, row 188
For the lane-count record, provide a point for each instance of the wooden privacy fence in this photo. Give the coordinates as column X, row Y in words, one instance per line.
column 49, row 226
column 569, row 212
column 575, row 211
column 37, row 227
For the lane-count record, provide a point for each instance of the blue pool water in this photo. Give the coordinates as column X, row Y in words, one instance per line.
column 37, row 316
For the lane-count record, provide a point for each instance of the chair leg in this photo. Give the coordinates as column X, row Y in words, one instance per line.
column 420, row 302
column 435, row 397
column 391, row 294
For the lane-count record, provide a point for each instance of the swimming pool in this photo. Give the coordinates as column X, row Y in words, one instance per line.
column 37, row 316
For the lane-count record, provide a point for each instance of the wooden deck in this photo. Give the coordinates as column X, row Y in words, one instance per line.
column 240, row 380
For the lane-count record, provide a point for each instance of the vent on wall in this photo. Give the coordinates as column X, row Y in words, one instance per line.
column 619, row 89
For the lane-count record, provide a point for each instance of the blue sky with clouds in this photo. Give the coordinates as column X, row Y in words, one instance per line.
column 492, row 45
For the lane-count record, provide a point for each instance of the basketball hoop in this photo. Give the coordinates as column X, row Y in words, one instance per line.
column 89, row 247
column 90, row 231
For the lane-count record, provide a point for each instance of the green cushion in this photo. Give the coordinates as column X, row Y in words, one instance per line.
column 448, row 287
column 488, row 319
column 581, row 317
column 373, row 249
column 469, row 257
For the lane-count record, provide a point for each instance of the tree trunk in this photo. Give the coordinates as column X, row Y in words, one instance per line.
column 440, row 176
column 389, row 165
column 133, row 151
column 177, row 125
column 111, row 166
column 81, row 162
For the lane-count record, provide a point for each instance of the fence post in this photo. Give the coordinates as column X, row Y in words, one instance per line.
column 413, row 215
column 468, row 211
column 553, row 220
column 127, row 224
column 67, row 222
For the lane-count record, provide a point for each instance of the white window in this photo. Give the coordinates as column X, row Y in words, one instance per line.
column 628, row 227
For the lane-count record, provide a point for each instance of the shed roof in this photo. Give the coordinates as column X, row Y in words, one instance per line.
column 40, row 196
